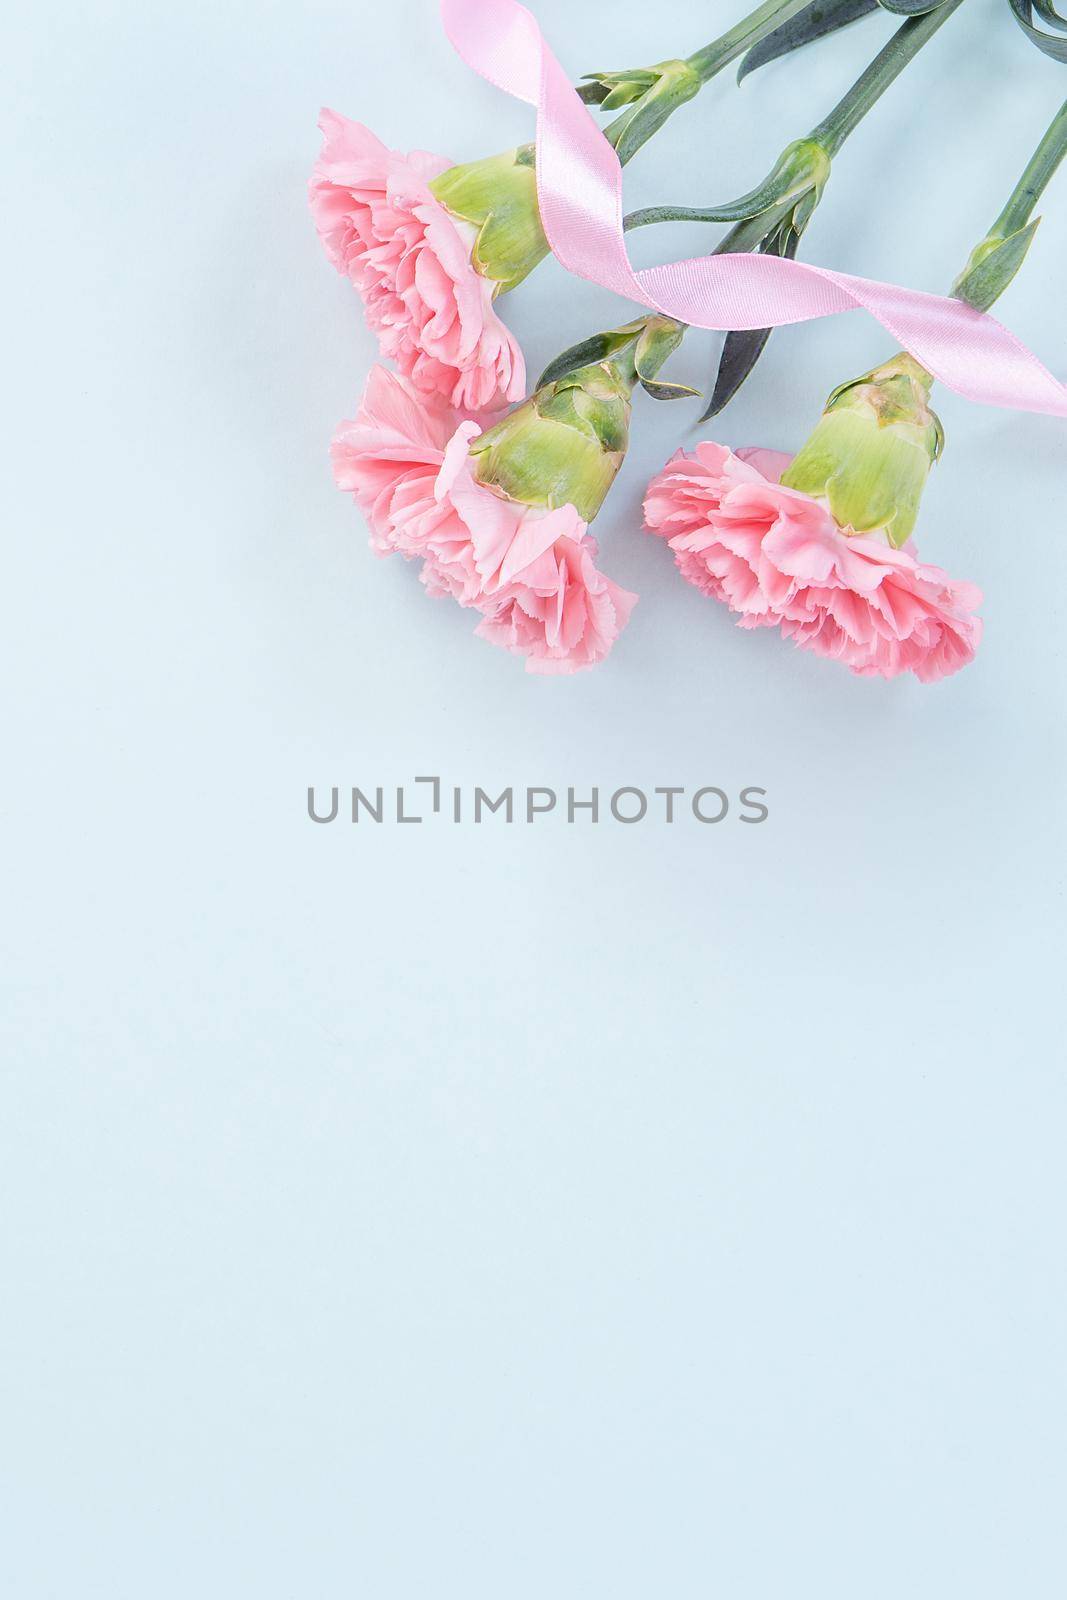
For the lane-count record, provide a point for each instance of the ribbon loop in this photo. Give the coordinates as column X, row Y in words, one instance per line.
column 580, row 195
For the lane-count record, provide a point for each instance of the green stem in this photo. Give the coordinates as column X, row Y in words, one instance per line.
column 996, row 259
column 757, row 211
column 908, row 40
column 756, row 26
column 824, row 142
column 1039, row 169
column 684, row 79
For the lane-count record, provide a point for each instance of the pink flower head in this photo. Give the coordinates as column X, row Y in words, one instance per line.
column 529, row 571
column 777, row 558
column 410, row 259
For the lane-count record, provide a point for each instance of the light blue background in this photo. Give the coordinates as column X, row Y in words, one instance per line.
column 553, row 1211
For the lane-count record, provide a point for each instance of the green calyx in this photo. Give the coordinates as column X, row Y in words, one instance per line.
column 565, row 444
column 792, row 188
column 994, row 262
column 646, row 344
column 799, row 175
column 650, row 97
column 612, row 90
column 872, row 449
column 498, row 197
column 992, row 265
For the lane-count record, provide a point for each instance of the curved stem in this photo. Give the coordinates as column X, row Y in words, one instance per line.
column 831, row 133
column 638, row 122
column 996, row 259
column 1039, row 169
column 756, row 26
column 908, row 40
column 744, row 236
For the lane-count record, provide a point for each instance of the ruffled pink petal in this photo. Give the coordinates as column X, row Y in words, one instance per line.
column 776, row 557
column 411, row 263
column 770, row 464
column 531, row 573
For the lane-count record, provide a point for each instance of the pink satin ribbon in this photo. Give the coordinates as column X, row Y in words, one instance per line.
column 580, row 195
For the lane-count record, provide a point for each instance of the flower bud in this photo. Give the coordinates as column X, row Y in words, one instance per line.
column 498, row 197
column 801, row 171
column 872, row 450
column 565, row 444
column 992, row 265
column 610, row 90
column 649, row 98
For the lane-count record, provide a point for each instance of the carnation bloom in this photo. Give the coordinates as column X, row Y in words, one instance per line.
column 427, row 292
column 528, row 569
column 778, row 558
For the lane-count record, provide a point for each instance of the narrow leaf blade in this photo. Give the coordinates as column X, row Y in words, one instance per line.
column 743, row 347
column 596, row 348
column 740, row 352
column 816, row 21
column 1023, row 12
column 668, row 391
column 1046, row 10
column 987, row 281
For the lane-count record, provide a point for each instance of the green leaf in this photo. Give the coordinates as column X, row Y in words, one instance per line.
column 659, row 339
column 994, row 266
column 816, row 21
column 1023, row 11
column 614, row 89
column 674, row 83
column 668, row 391
column 740, row 352
column 743, row 347
column 909, row 8
column 802, row 168
column 658, row 342
column 598, row 347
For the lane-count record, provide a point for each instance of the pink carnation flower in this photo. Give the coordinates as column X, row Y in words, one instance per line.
column 778, row 558
column 410, row 259
column 530, row 572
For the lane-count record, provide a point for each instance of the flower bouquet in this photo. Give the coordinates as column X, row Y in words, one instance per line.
column 491, row 483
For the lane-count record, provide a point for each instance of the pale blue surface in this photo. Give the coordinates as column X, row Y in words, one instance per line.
column 502, row 1213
